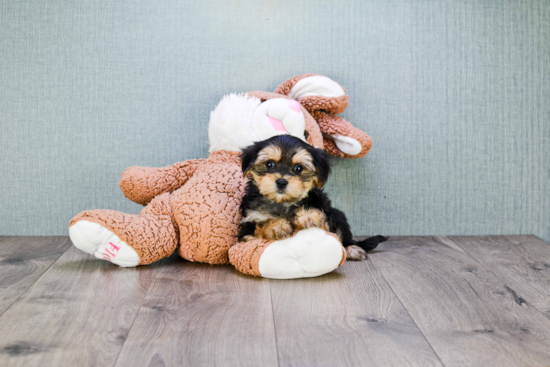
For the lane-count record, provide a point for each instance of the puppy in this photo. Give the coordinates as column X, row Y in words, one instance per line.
column 284, row 194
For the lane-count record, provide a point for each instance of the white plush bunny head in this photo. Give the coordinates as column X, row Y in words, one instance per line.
column 304, row 107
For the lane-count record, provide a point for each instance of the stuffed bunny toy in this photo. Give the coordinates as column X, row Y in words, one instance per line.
column 192, row 207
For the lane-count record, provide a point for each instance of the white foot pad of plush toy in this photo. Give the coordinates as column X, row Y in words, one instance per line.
column 309, row 253
column 97, row 240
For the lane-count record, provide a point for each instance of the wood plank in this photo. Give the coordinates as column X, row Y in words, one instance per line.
column 350, row 317
column 23, row 260
column 78, row 313
column 202, row 315
column 521, row 262
column 465, row 312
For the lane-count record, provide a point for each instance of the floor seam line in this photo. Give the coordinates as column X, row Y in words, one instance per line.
column 435, row 239
column 506, row 237
column 36, row 280
column 407, row 311
column 274, row 325
column 137, row 313
column 496, row 276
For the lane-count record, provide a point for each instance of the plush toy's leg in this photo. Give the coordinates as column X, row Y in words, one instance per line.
column 127, row 239
column 309, row 253
column 97, row 240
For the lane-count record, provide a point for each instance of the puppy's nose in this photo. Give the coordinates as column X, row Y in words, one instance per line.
column 281, row 183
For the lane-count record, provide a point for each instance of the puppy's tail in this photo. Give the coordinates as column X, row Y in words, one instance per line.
column 370, row 243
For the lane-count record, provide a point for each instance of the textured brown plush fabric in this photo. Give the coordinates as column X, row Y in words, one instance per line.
column 315, row 103
column 329, row 104
column 245, row 256
column 202, row 215
column 323, row 110
column 142, row 184
column 192, row 207
column 335, row 125
column 286, row 86
column 207, row 209
column 152, row 233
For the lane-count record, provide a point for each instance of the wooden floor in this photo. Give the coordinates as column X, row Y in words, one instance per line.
column 417, row 301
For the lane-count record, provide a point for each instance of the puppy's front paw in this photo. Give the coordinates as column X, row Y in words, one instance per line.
column 276, row 229
column 308, row 218
column 355, row 253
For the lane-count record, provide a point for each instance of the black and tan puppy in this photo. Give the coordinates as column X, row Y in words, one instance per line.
column 284, row 194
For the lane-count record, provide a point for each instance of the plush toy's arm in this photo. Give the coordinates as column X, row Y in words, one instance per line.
column 142, row 184
column 341, row 138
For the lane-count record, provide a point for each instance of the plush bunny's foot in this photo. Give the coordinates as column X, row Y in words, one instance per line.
column 309, row 253
column 97, row 240
column 127, row 239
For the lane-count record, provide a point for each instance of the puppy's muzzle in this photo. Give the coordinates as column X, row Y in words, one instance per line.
column 281, row 183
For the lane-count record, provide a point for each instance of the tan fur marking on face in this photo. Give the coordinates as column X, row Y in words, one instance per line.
column 295, row 191
column 267, row 186
column 304, row 158
column 309, row 185
column 274, row 229
column 255, row 177
column 308, row 218
column 271, row 152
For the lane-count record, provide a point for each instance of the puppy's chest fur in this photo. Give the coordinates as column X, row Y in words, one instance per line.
column 256, row 208
column 270, row 210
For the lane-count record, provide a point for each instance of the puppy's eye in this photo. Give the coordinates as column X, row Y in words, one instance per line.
column 298, row 169
column 270, row 164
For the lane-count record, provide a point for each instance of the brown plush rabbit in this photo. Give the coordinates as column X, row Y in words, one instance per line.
column 192, row 207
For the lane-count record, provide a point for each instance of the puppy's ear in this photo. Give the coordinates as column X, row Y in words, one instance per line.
column 248, row 157
column 321, row 161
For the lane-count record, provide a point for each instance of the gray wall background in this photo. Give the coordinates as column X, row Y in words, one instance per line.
column 456, row 95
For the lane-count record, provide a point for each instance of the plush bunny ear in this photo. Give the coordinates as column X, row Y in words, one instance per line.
column 315, row 92
column 324, row 98
column 341, row 138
